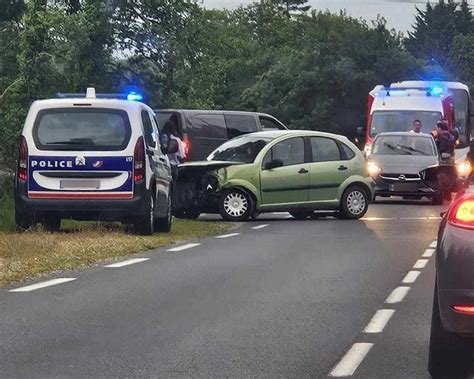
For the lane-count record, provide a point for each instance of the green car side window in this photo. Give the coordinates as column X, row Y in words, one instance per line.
column 325, row 149
column 289, row 151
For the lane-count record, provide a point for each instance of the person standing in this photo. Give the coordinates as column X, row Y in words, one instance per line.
column 417, row 125
column 175, row 147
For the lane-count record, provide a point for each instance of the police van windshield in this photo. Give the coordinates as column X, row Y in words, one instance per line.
column 241, row 149
column 402, row 121
column 82, row 129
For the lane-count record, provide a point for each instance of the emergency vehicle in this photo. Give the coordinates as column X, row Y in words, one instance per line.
column 91, row 158
column 395, row 109
column 461, row 101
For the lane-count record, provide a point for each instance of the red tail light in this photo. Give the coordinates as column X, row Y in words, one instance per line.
column 462, row 213
column 187, row 147
column 466, row 309
column 22, row 172
column 139, row 159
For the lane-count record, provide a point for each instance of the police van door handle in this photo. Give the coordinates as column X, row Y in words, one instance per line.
column 303, row 171
column 342, row 168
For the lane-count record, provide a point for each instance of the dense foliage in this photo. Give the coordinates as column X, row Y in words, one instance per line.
column 310, row 69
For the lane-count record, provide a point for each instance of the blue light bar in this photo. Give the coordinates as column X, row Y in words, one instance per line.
column 436, row 90
column 134, row 96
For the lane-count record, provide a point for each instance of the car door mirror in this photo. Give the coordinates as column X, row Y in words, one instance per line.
column 440, row 178
column 273, row 164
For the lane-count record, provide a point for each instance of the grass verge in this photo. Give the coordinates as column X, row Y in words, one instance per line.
column 79, row 245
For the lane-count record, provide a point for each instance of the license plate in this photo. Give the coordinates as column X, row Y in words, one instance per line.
column 80, row 184
column 403, row 187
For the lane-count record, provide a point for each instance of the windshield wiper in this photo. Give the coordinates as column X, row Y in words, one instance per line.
column 390, row 146
column 413, row 149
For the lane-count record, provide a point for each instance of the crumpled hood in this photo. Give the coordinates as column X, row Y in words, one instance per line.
column 207, row 165
column 403, row 164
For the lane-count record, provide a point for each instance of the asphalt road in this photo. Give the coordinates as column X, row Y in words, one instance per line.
column 286, row 299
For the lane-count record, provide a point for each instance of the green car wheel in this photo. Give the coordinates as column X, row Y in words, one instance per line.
column 354, row 203
column 236, row 205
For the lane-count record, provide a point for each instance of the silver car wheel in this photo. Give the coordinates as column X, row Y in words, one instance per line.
column 356, row 202
column 235, row 204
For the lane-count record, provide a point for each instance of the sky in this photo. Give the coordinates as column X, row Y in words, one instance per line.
column 400, row 14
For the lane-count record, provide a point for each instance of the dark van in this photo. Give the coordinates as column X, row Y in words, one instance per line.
column 202, row 131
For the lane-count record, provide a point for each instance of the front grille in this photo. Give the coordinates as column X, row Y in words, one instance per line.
column 397, row 178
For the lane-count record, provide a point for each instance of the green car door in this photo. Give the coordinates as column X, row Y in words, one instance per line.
column 288, row 183
column 329, row 169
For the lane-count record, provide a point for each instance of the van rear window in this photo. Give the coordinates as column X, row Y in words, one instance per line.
column 67, row 129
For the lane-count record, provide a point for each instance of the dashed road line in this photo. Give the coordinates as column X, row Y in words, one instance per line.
column 183, row 247
column 260, row 226
column 38, row 286
column 411, row 277
column 434, row 244
column 228, row 235
column 352, row 360
column 379, row 321
column 127, row 262
column 428, row 253
column 397, row 295
column 420, row 263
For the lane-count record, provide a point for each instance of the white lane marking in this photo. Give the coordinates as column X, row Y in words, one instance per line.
column 184, row 247
column 47, row 283
column 399, row 218
column 411, row 277
column 127, row 262
column 420, row 263
column 260, row 226
column 434, row 244
column 228, row 235
column 397, row 295
column 351, row 361
column 428, row 253
column 280, row 213
column 379, row 321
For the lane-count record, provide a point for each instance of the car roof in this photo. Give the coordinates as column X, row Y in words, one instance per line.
column 213, row 111
column 92, row 102
column 274, row 134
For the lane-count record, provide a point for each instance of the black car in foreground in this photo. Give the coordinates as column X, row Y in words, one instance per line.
column 451, row 353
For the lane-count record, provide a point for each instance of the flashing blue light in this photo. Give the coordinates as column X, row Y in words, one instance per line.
column 436, row 90
column 134, row 96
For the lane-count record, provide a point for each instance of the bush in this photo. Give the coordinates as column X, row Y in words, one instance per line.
column 7, row 204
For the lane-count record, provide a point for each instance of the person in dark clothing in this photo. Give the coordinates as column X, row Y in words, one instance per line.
column 444, row 140
column 175, row 148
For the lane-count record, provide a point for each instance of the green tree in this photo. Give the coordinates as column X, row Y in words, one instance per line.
column 435, row 29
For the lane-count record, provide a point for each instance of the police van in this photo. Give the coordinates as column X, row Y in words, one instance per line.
column 92, row 158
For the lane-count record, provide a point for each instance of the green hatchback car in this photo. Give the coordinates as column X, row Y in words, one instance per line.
column 295, row 171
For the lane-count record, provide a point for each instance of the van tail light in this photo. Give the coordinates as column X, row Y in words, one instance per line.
column 462, row 213
column 465, row 309
column 139, row 159
column 187, row 147
column 22, row 171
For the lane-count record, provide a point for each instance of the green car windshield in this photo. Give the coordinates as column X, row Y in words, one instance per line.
column 242, row 149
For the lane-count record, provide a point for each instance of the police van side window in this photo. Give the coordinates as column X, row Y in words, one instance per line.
column 239, row 124
column 148, row 129
column 69, row 129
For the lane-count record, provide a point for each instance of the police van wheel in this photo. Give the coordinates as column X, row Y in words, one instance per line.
column 145, row 224
column 164, row 224
column 52, row 224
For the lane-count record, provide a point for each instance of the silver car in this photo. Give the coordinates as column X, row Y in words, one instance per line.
column 396, row 161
